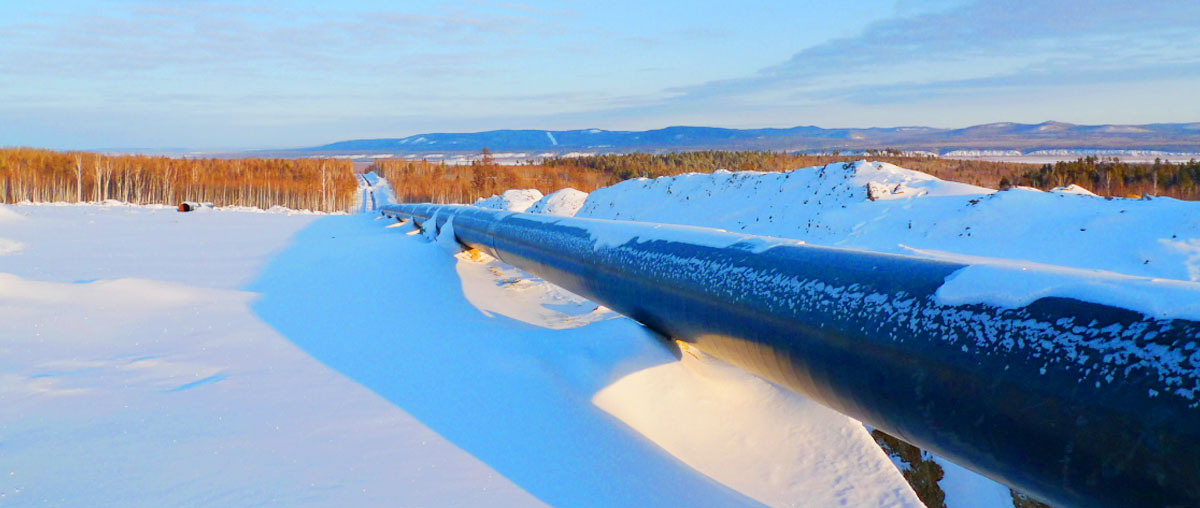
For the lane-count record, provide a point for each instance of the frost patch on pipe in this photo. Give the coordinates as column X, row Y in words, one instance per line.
column 1012, row 286
column 1100, row 354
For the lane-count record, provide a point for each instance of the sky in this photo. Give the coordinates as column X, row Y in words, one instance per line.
column 201, row 74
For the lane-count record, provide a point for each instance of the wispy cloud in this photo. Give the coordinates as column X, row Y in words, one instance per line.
column 212, row 36
column 194, row 70
column 980, row 45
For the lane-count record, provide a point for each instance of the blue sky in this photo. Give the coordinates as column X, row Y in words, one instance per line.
column 227, row 74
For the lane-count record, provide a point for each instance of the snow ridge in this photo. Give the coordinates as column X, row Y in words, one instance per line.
column 884, row 208
column 564, row 203
column 514, row 200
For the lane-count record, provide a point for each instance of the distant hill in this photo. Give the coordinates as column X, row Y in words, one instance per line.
column 1024, row 138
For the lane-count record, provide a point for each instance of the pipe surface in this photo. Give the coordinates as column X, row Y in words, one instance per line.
column 1073, row 402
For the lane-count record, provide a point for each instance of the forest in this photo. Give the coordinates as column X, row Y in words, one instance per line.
column 420, row 181
column 47, row 176
column 329, row 185
column 1111, row 177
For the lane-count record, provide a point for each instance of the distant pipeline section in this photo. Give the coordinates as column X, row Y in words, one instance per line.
column 1078, row 403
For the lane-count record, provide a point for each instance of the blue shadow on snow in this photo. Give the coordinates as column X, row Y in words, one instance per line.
column 387, row 310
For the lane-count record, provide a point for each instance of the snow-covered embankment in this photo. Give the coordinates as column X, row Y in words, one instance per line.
column 885, row 208
column 1140, row 254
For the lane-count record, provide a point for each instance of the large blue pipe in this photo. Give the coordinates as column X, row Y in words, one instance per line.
column 1077, row 403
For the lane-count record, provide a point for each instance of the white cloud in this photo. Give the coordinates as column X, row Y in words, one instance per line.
column 988, row 44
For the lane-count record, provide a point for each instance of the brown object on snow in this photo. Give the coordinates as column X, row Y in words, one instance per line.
column 188, row 206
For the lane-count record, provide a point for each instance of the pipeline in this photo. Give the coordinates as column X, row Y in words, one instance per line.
column 1073, row 402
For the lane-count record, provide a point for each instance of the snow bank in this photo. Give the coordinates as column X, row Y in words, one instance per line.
column 781, row 448
column 1023, row 244
column 515, row 200
column 885, row 208
column 763, row 203
column 564, row 203
column 1072, row 189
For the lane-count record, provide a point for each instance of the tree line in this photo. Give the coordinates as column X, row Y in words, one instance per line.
column 37, row 175
column 421, row 181
column 436, row 182
column 1112, row 177
column 329, row 185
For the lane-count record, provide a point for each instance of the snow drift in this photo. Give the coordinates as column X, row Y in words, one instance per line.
column 884, row 208
column 1152, row 243
column 564, row 203
column 514, row 200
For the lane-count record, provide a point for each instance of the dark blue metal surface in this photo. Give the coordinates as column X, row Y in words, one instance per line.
column 1077, row 403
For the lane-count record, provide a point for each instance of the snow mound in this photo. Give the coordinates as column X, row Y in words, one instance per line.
column 7, row 215
column 564, row 203
column 736, row 199
column 515, row 200
column 885, row 208
column 9, row 246
column 1072, row 189
column 780, row 448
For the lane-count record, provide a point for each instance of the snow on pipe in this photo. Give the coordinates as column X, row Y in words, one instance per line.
column 1078, row 403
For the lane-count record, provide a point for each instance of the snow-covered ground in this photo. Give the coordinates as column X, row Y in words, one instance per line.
column 156, row 358
column 134, row 372
column 230, row 357
column 373, row 192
